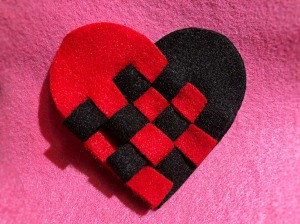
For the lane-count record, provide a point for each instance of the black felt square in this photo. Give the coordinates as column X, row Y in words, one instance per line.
column 170, row 82
column 131, row 83
column 171, row 123
column 177, row 168
column 126, row 123
column 216, row 122
column 85, row 120
column 126, row 162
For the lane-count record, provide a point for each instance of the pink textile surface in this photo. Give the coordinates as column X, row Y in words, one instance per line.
column 252, row 176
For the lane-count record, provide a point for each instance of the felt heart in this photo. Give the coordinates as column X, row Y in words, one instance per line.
column 150, row 113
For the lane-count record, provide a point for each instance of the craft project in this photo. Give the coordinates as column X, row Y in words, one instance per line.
column 150, row 113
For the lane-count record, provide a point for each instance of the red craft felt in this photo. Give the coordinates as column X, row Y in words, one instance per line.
column 195, row 144
column 151, row 103
column 83, row 67
column 150, row 185
column 189, row 102
column 152, row 143
column 100, row 145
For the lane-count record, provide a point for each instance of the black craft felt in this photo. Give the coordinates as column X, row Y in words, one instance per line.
column 219, row 118
column 211, row 63
column 171, row 123
column 131, row 83
column 126, row 123
column 126, row 162
column 85, row 120
column 170, row 82
column 177, row 168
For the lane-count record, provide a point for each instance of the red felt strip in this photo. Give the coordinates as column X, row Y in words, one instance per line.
column 100, row 146
column 151, row 104
column 150, row 185
column 108, row 99
column 152, row 143
column 195, row 144
column 189, row 102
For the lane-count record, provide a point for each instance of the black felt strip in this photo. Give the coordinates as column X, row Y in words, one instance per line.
column 218, row 118
column 126, row 162
column 170, row 82
column 177, row 168
column 171, row 123
column 85, row 120
column 131, row 83
column 211, row 63
column 126, row 123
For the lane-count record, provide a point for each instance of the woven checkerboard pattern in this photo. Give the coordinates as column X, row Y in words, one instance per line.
column 157, row 144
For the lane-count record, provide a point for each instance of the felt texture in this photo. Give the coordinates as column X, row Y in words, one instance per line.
column 213, row 65
column 254, row 181
column 151, row 104
column 189, row 102
column 101, row 145
column 126, row 123
column 126, row 162
column 131, row 83
column 171, row 123
column 150, row 185
column 83, row 68
column 170, row 82
column 85, row 120
column 195, row 144
column 152, row 143
column 177, row 168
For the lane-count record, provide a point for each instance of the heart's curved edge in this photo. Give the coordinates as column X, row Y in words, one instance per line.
column 116, row 45
column 190, row 57
column 221, row 52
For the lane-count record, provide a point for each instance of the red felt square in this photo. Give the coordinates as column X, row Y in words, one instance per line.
column 152, row 143
column 195, row 144
column 108, row 98
column 100, row 145
column 150, row 185
column 189, row 102
column 151, row 103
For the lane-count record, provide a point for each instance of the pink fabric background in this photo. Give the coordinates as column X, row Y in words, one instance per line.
column 252, row 176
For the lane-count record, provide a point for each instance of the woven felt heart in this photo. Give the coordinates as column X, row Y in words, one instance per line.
column 148, row 112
